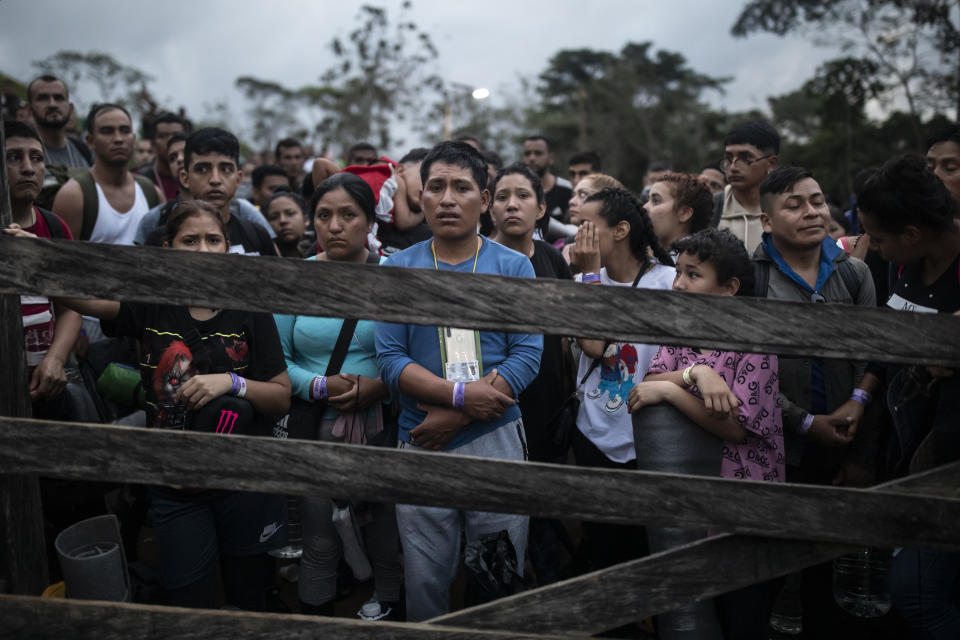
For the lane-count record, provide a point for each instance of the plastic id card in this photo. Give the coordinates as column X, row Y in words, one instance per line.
column 460, row 353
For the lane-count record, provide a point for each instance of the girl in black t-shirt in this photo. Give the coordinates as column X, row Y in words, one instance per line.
column 911, row 219
column 190, row 357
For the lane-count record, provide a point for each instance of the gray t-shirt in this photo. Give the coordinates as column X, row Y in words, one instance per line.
column 69, row 155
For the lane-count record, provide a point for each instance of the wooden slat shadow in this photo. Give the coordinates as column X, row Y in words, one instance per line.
column 24, row 617
column 119, row 454
column 420, row 296
column 664, row 581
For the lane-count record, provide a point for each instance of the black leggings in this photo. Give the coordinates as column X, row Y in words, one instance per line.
column 245, row 580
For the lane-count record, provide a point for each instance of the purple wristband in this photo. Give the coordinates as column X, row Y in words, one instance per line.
column 319, row 388
column 806, row 424
column 234, row 383
column 590, row 278
column 861, row 396
column 459, row 395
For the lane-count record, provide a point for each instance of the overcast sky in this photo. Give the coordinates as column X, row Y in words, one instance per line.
column 197, row 48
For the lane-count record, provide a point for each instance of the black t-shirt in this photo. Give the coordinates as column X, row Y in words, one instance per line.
column 557, row 200
column 541, row 400
column 393, row 239
column 252, row 238
column 241, row 342
column 911, row 294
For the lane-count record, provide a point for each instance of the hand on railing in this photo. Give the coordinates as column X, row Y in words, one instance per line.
column 17, row 232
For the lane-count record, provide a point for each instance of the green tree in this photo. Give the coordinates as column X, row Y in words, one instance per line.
column 270, row 110
column 380, row 75
column 634, row 106
column 912, row 46
column 112, row 81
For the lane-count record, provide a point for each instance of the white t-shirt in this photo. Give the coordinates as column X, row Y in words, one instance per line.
column 603, row 416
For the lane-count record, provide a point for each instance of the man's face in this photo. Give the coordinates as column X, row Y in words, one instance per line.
column 363, row 158
column 800, row 217
column 713, row 179
column 452, row 201
column 537, row 156
column 175, row 156
column 291, row 159
column 746, row 165
column 49, row 104
column 162, row 134
column 270, row 183
column 212, row 177
column 143, row 153
column 112, row 139
column 24, row 168
column 579, row 171
column 943, row 159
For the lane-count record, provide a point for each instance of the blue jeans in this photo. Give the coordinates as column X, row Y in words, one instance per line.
column 925, row 589
column 431, row 535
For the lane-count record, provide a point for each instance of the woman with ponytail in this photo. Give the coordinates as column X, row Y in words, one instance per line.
column 616, row 246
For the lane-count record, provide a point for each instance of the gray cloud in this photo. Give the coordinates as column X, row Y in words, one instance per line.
column 197, row 48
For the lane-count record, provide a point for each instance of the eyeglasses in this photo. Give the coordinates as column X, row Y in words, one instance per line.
column 743, row 159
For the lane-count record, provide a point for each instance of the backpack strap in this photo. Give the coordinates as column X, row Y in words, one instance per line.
column 91, row 204
column 54, row 223
column 761, row 277
column 83, row 149
column 149, row 190
column 340, row 349
column 850, row 279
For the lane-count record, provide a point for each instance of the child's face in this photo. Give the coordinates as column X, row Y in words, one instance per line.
column 696, row 276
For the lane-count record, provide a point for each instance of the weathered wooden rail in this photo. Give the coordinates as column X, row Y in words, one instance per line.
column 813, row 523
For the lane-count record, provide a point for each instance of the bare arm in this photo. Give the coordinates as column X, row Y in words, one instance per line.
column 69, row 205
column 271, row 396
column 655, row 392
column 160, row 195
column 103, row 309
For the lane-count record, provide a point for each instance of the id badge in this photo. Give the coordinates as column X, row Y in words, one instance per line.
column 461, row 360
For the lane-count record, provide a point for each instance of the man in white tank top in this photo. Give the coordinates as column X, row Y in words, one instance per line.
column 121, row 199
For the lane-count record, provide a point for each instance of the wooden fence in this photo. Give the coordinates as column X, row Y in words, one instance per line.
column 812, row 524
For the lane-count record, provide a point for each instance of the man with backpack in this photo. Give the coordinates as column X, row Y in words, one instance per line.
column 106, row 203
column 49, row 329
column 797, row 261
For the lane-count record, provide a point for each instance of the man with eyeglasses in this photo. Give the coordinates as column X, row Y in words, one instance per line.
column 828, row 439
column 749, row 154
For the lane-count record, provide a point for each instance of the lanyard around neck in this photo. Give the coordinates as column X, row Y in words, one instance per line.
column 436, row 266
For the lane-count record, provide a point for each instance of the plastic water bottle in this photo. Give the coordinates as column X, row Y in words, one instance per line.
column 860, row 582
column 372, row 610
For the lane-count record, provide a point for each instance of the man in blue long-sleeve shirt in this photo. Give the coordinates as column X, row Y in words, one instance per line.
column 457, row 388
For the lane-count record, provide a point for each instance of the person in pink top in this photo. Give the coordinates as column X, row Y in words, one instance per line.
column 728, row 394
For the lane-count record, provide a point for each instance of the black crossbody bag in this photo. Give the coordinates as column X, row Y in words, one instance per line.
column 303, row 421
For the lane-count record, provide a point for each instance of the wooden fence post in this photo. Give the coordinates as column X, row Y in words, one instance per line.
column 23, row 561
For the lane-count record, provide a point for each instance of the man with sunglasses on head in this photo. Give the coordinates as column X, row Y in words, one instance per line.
column 829, row 424
column 749, row 154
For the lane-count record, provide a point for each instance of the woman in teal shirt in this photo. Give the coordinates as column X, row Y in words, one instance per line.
column 343, row 208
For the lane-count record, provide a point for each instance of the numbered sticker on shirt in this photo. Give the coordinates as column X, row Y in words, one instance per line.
column 460, row 347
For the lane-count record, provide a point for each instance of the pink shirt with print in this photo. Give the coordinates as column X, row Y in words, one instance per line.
column 753, row 378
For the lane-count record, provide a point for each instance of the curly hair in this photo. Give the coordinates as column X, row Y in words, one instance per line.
column 620, row 205
column 904, row 192
column 688, row 191
column 725, row 253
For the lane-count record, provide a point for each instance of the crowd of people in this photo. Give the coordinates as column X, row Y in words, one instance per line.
column 753, row 225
